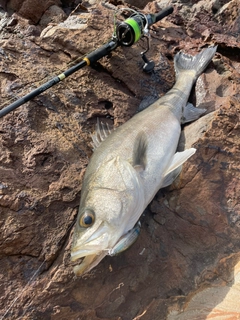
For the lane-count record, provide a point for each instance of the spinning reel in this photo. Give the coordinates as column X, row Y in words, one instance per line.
column 137, row 26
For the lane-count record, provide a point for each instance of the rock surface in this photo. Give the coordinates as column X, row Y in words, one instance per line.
column 185, row 264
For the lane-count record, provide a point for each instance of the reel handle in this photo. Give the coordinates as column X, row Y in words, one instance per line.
column 153, row 18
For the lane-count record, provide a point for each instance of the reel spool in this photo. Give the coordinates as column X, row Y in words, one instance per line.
column 131, row 30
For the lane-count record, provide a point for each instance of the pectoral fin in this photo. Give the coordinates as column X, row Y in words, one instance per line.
column 178, row 159
column 191, row 113
column 140, row 152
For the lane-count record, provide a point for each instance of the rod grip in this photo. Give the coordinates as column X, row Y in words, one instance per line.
column 162, row 14
column 102, row 51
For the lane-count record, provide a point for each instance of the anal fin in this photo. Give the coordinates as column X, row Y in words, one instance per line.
column 191, row 113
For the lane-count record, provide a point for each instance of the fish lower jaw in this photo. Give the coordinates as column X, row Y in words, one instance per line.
column 85, row 264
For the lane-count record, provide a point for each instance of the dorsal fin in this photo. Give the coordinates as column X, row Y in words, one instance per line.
column 101, row 133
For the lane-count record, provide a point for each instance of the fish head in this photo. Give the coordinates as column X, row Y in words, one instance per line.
column 111, row 203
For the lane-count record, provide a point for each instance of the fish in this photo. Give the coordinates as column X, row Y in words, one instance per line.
column 130, row 164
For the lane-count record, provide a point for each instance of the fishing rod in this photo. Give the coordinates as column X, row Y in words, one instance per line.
column 126, row 34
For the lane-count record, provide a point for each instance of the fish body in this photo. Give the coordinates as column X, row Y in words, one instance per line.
column 131, row 164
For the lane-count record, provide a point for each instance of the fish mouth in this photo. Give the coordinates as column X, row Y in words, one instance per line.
column 87, row 253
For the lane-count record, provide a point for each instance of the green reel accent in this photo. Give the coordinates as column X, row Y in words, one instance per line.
column 136, row 28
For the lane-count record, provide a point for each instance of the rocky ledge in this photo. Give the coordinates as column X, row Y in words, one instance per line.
column 185, row 264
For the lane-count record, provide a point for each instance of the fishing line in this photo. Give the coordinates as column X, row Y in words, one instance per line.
column 21, row 292
column 58, row 243
column 36, row 273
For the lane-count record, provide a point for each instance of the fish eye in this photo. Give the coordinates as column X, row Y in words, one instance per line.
column 87, row 219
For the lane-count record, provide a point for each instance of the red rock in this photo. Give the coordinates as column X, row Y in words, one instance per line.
column 185, row 263
column 31, row 9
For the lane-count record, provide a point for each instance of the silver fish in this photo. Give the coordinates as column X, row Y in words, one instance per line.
column 129, row 166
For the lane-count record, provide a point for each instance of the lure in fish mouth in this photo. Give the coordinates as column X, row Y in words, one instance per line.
column 101, row 241
column 90, row 254
column 129, row 166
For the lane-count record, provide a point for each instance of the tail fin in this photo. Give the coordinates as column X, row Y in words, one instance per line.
column 198, row 63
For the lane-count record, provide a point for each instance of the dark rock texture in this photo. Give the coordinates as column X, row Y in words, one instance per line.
column 185, row 264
